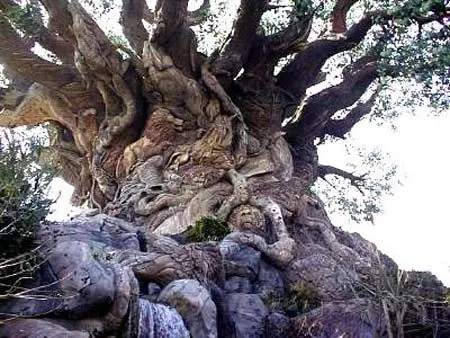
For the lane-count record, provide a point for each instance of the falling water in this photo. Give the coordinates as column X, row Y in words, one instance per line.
column 160, row 321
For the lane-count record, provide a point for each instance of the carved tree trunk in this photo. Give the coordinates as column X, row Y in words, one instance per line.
column 164, row 135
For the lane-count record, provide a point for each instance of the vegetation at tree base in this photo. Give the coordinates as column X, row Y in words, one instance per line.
column 23, row 204
column 208, row 228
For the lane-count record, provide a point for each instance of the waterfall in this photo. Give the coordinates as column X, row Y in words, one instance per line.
column 160, row 321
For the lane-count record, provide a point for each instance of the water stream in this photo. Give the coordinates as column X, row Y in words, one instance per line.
column 160, row 321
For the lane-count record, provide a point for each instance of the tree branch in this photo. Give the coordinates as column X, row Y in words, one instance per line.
column 173, row 33
column 299, row 74
column 147, row 14
column 356, row 181
column 236, row 51
column 319, row 108
column 15, row 54
column 171, row 16
column 131, row 20
column 198, row 16
column 59, row 19
column 339, row 15
column 339, row 128
column 50, row 41
column 290, row 39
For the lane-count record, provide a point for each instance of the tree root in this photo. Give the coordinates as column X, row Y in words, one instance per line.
column 198, row 261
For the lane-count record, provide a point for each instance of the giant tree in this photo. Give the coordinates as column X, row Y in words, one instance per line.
column 157, row 132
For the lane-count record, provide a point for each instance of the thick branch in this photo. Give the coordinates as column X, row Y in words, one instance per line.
column 339, row 15
column 50, row 41
column 171, row 16
column 290, row 39
column 147, row 14
column 131, row 20
column 173, row 33
column 338, row 128
column 299, row 74
column 319, row 108
column 14, row 53
column 59, row 19
column 235, row 53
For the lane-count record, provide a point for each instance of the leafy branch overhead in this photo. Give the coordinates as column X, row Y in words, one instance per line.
column 270, row 72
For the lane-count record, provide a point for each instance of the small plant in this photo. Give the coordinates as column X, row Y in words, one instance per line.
column 23, row 205
column 273, row 301
column 208, row 228
column 300, row 299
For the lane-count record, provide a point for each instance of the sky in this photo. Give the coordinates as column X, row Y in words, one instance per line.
column 414, row 227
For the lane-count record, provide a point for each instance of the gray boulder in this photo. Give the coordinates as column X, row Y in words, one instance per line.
column 247, row 314
column 194, row 304
column 236, row 284
column 359, row 316
column 277, row 325
column 269, row 280
column 240, row 260
column 86, row 284
column 36, row 328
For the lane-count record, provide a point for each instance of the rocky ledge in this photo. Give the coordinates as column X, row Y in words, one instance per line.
column 102, row 277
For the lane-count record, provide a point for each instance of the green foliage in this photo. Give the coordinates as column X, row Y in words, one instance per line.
column 23, row 205
column 301, row 298
column 25, row 18
column 208, row 228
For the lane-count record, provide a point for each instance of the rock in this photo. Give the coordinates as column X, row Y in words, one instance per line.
column 359, row 316
column 247, row 314
column 323, row 273
column 269, row 280
column 194, row 304
column 153, row 290
column 36, row 328
column 46, row 280
column 236, row 284
column 277, row 325
column 110, row 232
column 80, row 277
column 240, row 260
column 86, row 285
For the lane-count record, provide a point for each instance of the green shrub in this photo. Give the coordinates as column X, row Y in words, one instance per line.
column 208, row 228
column 23, row 205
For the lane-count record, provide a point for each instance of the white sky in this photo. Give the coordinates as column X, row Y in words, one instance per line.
column 414, row 228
